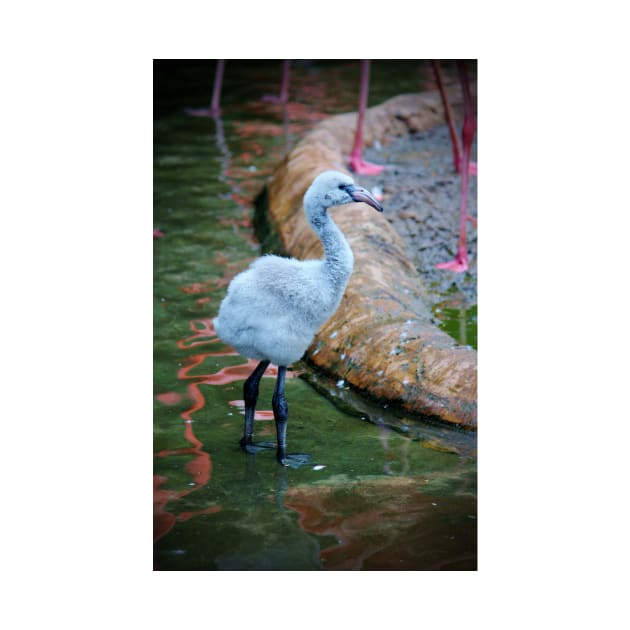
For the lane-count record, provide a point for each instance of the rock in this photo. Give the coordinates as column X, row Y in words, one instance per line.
column 382, row 340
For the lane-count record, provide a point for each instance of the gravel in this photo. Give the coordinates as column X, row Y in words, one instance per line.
column 421, row 197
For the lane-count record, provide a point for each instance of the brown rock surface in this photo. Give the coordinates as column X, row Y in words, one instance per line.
column 382, row 340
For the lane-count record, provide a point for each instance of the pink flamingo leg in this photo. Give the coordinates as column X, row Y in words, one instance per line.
column 448, row 113
column 214, row 108
column 216, row 88
column 460, row 263
column 283, row 97
column 357, row 163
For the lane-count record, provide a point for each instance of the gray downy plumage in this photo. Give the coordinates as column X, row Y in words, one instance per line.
column 274, row 308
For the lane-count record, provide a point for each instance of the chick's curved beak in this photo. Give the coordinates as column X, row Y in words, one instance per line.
column 361, row 194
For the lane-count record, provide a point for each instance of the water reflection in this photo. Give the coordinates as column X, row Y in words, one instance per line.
column 390, row 453
column 386, row 524
column 222, row 146
column 200, row 467
column 266, row 537
column 199, row 470
column 458, row 320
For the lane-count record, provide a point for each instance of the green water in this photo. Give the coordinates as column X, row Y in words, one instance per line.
column 459, row 322
column 371, row 497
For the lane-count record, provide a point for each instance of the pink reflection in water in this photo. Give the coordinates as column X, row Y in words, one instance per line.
column 169, row 398
column 388, row 525
column 200, row 470
column 259, row 415
column 204, row 333
column 200, row 467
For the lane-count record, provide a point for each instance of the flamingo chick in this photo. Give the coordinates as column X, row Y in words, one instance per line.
column 273, row 309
